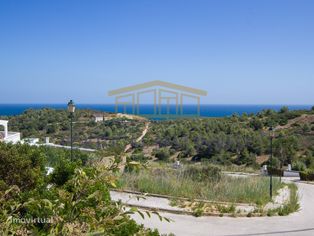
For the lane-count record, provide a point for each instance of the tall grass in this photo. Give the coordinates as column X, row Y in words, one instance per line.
column 178, row 184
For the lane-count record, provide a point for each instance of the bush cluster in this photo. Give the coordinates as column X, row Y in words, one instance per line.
column 307, row 175
column 75, row 198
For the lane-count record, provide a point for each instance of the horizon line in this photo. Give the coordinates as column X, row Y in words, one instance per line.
column 213, row 104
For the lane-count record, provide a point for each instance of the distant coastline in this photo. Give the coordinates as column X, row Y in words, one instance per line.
column 207, row 110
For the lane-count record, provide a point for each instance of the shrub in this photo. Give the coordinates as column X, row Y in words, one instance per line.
column 21, row 165
column 299, row 166
column 56, row 155
column 275, row 164
column 63, row 172
column 51, row 129
column 162, row 154
column 139, row 157
column 306, row 128
column 307, row 175
column 81, row 207
column 256, row 124
column 203, row 173
column 223, row 158
column 246, row 158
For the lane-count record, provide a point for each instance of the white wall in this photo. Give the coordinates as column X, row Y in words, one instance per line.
column 13, row 137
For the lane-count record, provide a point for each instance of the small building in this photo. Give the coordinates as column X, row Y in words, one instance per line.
column 100, row 117
column 7, row 136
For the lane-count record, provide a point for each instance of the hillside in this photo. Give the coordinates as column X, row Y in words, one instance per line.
column 237, row 140
column 117, row 129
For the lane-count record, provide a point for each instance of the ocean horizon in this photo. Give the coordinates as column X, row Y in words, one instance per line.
column 206, row 110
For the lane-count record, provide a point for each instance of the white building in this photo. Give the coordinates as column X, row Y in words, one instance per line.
column 8, row 137
column 100, row 117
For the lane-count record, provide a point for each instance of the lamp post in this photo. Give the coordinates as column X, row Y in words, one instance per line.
column 71, row 110
column 271, row 162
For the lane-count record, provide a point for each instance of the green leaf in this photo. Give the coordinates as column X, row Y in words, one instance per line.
column 148, row 214
column 141, row 214
column 93, row 195
column 119, row 217
column 133, row 209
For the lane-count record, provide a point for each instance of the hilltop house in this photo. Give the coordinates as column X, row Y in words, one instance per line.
column 100, row 117
column 8, row 137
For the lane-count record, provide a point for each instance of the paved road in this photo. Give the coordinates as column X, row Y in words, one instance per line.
column 297, row 224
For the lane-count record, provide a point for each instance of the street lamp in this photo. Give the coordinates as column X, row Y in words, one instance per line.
column 71, row 110
column 272, row 135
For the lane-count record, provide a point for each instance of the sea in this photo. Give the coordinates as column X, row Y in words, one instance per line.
column 206, row 110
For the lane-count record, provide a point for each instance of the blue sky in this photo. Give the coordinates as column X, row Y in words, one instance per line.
column 241, row 52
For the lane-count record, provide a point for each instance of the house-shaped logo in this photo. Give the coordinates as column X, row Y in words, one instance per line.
column 164, row 95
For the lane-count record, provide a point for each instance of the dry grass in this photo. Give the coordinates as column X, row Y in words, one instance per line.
column 174, row 183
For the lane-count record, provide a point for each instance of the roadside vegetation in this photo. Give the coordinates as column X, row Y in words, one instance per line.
column 199, row 182
column 292, row 206
column 73, row 200
column 205, row 190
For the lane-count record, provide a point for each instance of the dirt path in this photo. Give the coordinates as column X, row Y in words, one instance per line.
column 303, row 119
column 129, row 147
column 143, row 133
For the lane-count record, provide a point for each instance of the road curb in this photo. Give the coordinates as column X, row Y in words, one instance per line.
column 183, row 212
column 180, row 198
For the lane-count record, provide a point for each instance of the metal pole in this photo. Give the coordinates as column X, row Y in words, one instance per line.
column 71, row 116
column 271, row 173
column 280, row 171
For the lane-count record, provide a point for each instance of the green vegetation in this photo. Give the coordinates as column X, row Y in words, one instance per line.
column 74, row 200
column 87, row 133
column 162, row 154
column 21, row 165
column 242, row 141
column 291, row 206
column 307, row 175
column 199, row 182
column 75, row 197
